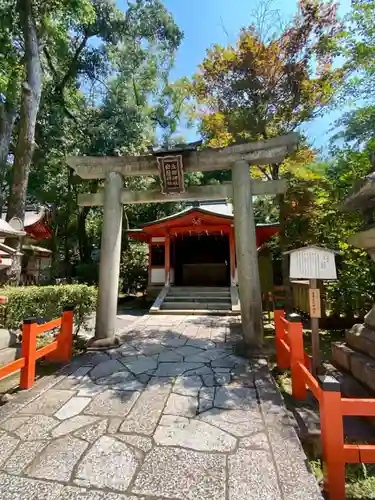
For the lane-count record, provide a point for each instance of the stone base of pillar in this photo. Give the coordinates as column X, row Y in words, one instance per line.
column 95, row 344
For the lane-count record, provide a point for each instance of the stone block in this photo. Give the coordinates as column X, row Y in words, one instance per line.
column 112, row 403
column 370, row 318
column 106, row 368
column 73, row 424
column 7, row 338
column 252, row 474
column 362, row 339
column 75, row 493
column 170, row 356
column 341, row 355
column 74, row 379
column 363, row 369
column 183, row 474
column 8, row 444
column 175, row 369
column 72, row 408
column 48, row 403
column 145, row 414
column 23, row 456
column 141, row 365
column 92, row 432
column 109, row 464
column 143, row 443
column 20, row 488
column 58, row 459
column 236, row 398
column 185, row 406
column 34, row 427
column 239, row 423
column 193, row 434
column 188, row 386
column 296, row 479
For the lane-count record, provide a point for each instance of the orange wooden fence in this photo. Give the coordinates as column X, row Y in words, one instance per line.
column 60, row 350
column 333, row 407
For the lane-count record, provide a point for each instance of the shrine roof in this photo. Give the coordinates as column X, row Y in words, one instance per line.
column 35, row 224
column 207, row 217
column 221, row 209
column 7, row 230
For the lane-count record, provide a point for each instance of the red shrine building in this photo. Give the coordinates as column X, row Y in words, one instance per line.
column 36, row 259
column 195, row 250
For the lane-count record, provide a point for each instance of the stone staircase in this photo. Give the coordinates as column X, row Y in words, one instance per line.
column 196, row 300
column 355, row 359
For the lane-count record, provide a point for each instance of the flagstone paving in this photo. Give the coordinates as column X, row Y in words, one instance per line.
column 173, row 413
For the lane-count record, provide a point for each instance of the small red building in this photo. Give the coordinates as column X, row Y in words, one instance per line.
column 36, row 259
column 196, row 248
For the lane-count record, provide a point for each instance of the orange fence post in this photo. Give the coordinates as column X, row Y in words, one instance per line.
column 28, row 351
column 297, row 355
column 63, row 353
column 281, row 356
column 332, row 435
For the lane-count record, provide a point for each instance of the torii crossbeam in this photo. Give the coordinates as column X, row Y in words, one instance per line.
column 237, row 158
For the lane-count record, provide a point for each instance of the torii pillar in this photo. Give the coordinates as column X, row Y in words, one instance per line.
column 247, row 255
column 109, row 267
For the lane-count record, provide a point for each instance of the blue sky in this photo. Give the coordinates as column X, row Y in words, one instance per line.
column 206, row 22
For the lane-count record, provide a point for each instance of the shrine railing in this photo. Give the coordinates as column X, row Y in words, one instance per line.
column 333, row 407
column 60, row 350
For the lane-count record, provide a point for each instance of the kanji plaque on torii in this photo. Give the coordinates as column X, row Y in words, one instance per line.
column 171, row 174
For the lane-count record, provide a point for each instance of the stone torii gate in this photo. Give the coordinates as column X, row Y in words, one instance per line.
column 237, row 158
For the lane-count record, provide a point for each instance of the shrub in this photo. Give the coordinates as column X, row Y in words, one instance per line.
column 134, row 268
column 47, row 302
column 87, row 273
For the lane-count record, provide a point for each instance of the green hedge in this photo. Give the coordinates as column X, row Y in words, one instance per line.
column 47, row 302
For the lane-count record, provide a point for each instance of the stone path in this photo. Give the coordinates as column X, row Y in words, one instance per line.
column 171, row 414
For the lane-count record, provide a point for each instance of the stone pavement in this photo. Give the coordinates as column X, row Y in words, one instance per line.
column 171, row 414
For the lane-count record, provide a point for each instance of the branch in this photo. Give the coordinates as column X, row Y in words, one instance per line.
column 264, row 172
column 73, row 65
column 67, row 111
column 50, row 62
column 136, row 94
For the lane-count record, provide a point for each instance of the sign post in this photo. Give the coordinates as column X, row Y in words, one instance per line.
column 313, row 263
column 315, row 314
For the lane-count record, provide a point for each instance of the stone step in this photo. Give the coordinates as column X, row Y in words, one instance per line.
column 362, row 367
column 197, row 298
column 197, row 312
column 195, row 305
column 201, row 293
column 9, row 354
column 362, row 339
column 199, row 289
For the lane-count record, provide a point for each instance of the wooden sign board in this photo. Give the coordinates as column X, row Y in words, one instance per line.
column 171, row 174
column 312, row 263
column 314, row 301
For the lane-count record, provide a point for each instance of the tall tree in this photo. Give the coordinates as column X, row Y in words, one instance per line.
column 105, row 108
column 262, row 88
column 30, row 99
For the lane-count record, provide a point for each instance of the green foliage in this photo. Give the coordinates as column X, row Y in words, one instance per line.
column 262, row 88
column 48, row 302
column 87, row 272
column 134, row 268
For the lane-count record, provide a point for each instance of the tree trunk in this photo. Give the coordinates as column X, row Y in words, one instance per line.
column 83, row 240
column 125, row 235
column 8, row 113
column 30, row 100
column 7, row 120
